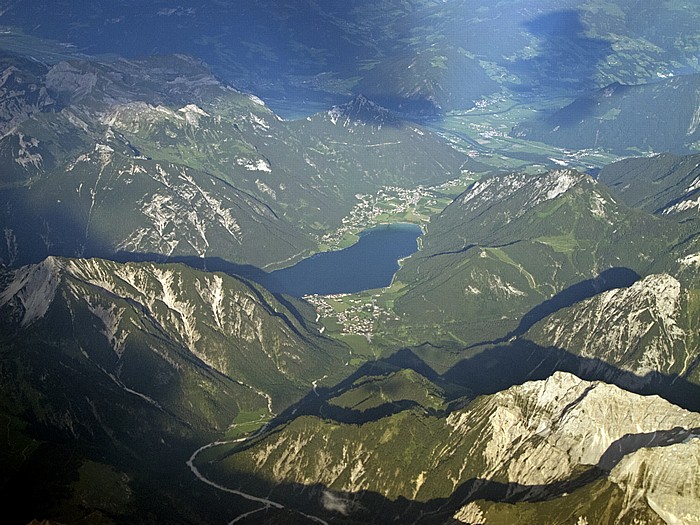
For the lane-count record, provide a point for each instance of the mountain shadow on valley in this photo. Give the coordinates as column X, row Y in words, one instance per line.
column 500, row 367
column 492, row 370
column 368, row 507
column 567, row 59
column 419, row 108
column 369, row 263
column 630, row 443
column 206, row 264
column 608, row 280
column 318, row 401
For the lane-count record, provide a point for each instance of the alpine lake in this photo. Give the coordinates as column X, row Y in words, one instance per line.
column 369, row 263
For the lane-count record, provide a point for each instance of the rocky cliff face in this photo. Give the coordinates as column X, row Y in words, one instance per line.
column 664, row 478
column 643, row 329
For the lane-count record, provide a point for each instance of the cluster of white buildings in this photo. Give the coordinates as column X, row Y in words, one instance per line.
column 359, row 316
column 391, row 200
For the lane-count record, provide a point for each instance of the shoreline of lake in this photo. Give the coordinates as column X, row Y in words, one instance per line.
column 369, row 263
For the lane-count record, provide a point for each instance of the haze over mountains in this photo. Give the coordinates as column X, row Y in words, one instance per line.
column 534, row 361
column 425, row 54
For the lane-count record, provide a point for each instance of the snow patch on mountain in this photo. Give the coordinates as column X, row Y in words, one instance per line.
column 256, row 100
column 690, row 260
column 562, row 181
column 695, row 118
column 259, row 123
column 181, row 212
column 470, row 514
column 492, row 284
column 26, row 156
column 598, row 205
column 689, row 200
column 193, row 114
column 138, row 116
column 266, row 189
column 683, row 205
column 254, row 164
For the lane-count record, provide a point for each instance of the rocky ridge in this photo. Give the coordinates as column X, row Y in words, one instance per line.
column 642, row 328
column 528, row 442
column 220, row 323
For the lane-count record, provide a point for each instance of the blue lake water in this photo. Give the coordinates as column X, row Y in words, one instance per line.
column 369, row 263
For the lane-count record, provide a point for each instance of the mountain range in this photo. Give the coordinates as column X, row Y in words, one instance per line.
column 420, row 57
column 535, row 360
column 161, row 159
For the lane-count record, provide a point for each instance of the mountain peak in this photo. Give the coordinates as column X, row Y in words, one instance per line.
column 34, row 288
column 361, row 110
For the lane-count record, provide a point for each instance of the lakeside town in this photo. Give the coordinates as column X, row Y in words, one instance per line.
column 394, row 204
column 355, row 314
column 358, row 314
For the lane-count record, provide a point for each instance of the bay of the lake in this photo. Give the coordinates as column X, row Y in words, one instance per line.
column 369, row 263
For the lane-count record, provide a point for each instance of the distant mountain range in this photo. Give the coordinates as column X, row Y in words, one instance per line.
column 156, row 158
column 155, row 360
column 420, row 57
